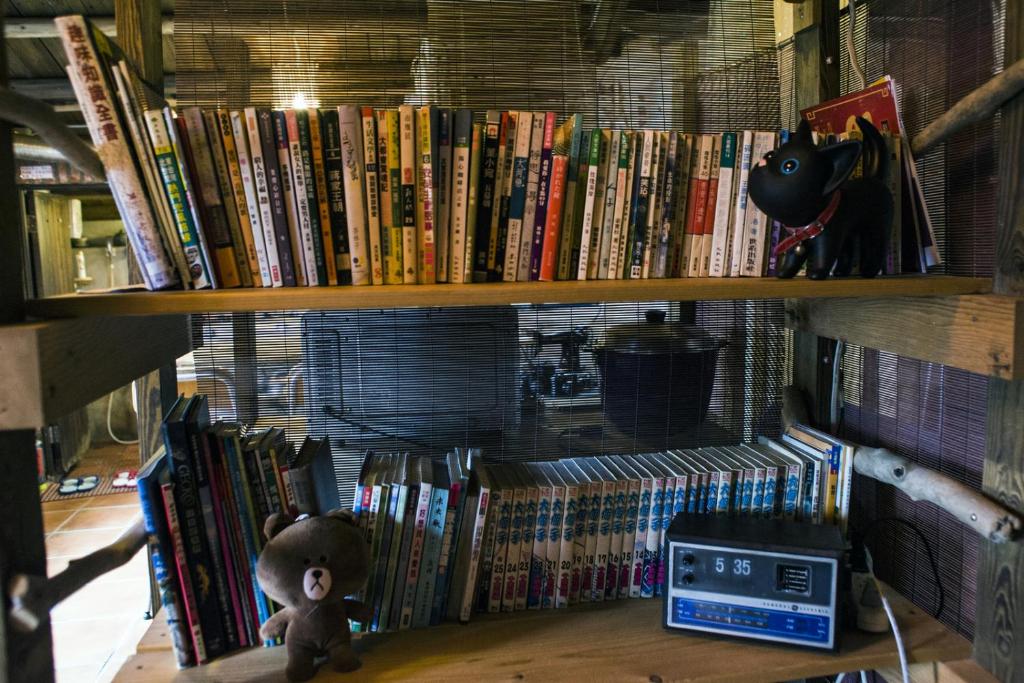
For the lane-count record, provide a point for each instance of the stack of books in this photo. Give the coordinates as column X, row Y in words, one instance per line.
column 460, row 535
column 256, row 197
column 205, row 497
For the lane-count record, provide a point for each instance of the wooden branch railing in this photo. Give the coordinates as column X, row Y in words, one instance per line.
column 32, row 597
column 971, row 508
column 41, row 118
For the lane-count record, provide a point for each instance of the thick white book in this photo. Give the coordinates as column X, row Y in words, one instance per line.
column 517, row 194
column 755, row 223
column 746, row 147
column 266, row 252
column 113, row 147
column 532, row 188
column 262, row 192
column 350, row 125
column 723, row 206
column 371, row 168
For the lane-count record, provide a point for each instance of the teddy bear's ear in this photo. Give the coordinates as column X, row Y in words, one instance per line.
column 345, row 516
column 275, row 524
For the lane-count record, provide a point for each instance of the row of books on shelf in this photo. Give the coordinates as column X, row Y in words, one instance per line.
column 463, row 534
column 454, row 535
column 267, row 198
column 204, row 498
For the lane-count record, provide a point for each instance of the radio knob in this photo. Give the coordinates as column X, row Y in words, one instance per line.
column 688, row 560
column 687, row 579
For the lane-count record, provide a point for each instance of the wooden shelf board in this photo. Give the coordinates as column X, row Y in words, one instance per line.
column 497, row 293
column 979, row 333
column 617, row 641
column 50, row 368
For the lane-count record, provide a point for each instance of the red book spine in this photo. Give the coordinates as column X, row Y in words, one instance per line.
column 681, row 261
column 184, row 578
column 553, row 222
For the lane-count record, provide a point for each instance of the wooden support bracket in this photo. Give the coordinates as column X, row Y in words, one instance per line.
column 979, row 333
column 51, row 368
column 41, row 118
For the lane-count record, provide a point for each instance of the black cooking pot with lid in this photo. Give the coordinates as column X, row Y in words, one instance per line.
column 656, row 376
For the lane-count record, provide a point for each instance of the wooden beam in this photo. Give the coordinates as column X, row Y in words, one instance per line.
column 43, row 27
column 59, row 89
column 140, row 302
column 983, row 334
column 999, row 625
column 51, row 368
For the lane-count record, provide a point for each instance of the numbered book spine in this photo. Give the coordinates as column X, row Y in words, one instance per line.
column 334, row 176
column 270, row 269
column 323, row 240
column 503, row 195
column 284, row 162
column 532, row 191
column 589, row 197
column 593, row 531
column 565, row 269
column 252, row 233
column 723, row 206
column 517, row 199
column 260, row 123
column 502, row 500
column 392, row 271
column 355, row 211
column 93, row 91
column 486, row 197
column 425, row 210
column 371, row 172
column 579, row 540
column 537, row 571
column 443, row 191
column 526, row 542
column 668, row 206
column 174, row 187
column 460, row 193
column 515, row 537
column 603, row 556
column 407, row 150
column 630, row 531
column 476, row 146
column 638, row 221
column 300, row 193
column 552, row 574
column 543, row 196
column 647, row 563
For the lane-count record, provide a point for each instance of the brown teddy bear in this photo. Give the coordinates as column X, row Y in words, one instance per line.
column 309, row 567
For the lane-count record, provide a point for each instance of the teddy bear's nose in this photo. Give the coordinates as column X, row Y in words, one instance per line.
column 317, row 573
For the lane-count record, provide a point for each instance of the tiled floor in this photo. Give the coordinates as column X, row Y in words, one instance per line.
column 97, row 628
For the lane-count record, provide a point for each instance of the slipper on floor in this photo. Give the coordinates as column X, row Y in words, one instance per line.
column 124, row 480
column 72, row 485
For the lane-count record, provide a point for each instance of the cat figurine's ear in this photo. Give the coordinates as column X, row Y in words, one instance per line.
column 803, row 132
column 843, row 156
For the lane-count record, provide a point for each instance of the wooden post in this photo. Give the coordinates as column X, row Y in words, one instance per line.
column 22, row 658
column 999, row 625
column 139, row 34
column 816, row 41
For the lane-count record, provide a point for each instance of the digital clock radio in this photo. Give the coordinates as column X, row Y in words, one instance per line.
column 763, row 579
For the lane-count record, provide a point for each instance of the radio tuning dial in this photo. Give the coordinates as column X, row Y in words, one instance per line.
column 688, row 560
column 687, row 579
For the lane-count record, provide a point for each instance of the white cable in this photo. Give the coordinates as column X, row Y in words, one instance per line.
column 840, row 677
column 110, row 429
column 900, row 648
column 863, row 676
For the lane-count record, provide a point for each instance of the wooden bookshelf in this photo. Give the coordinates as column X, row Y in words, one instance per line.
column 140, row 302
column 617, row 641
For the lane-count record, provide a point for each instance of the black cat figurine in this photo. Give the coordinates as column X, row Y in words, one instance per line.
column 830, row 219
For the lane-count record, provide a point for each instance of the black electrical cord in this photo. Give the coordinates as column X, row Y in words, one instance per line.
column 940, row 592
column 332, row 412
